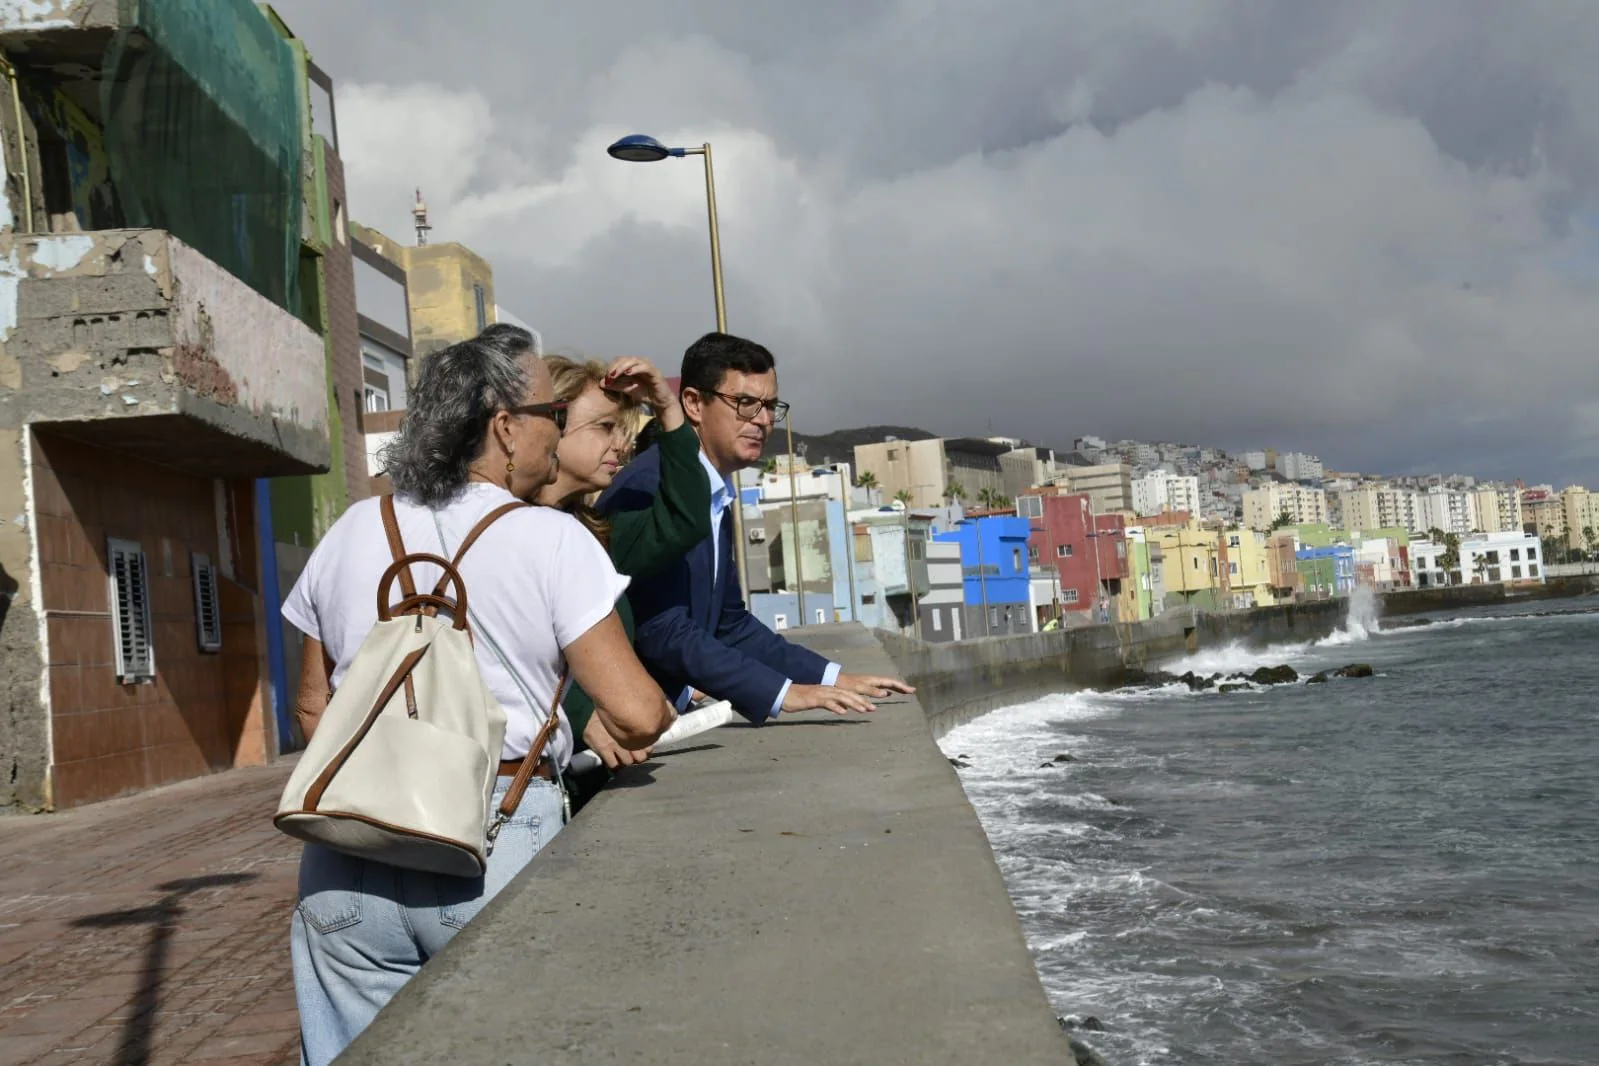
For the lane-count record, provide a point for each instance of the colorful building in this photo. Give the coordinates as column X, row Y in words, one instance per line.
column 994, row 565
column 1084, row 553
column 1327, row 571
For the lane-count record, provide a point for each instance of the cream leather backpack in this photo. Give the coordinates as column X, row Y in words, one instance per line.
column 402, row 765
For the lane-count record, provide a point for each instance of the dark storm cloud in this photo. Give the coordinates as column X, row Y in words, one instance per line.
column 1343, row 227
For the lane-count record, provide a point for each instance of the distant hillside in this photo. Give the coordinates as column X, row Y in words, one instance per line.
column 839, row 445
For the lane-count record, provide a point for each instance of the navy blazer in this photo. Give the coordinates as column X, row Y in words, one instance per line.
column 693, row 628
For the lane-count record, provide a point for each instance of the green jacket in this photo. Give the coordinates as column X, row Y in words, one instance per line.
column 643, row 542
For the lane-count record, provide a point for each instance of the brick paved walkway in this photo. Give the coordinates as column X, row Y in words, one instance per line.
column 150, row 930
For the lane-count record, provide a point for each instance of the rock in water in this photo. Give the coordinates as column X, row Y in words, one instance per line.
column 1088, row 1022
column 1319, row 679
column 1357, row 670
column 1065, row 757
column 1085, row 1055
column 1233, row 687
column 1275, row 675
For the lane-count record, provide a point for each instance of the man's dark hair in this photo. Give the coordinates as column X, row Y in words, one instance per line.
column 708, row 360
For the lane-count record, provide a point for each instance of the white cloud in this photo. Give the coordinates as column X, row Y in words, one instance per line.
column 1269, row 225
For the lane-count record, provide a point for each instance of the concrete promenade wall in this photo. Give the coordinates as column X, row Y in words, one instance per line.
column 958, row 682
column 815, row 891
column 1451, row 597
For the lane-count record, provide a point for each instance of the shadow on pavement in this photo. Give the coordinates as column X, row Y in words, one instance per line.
column 162, row 917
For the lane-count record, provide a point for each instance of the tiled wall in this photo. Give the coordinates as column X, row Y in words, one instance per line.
column 204, row 711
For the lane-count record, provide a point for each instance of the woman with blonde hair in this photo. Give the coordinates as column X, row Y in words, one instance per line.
column 604, row 406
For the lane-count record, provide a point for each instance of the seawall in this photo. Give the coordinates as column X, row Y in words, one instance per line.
column 958, row 682
column 1451, row 597
column 817, row 890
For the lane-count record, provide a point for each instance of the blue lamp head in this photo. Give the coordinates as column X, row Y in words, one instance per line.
column 639, row 148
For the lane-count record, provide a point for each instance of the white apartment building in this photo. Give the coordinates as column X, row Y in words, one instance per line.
column 1484, row 559
column 1446, row 509
column 1297, row 466
column 1254, row 460
column 1263, row 506
column 1160, row 491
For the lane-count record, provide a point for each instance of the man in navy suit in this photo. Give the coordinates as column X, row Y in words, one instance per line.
column 694, row 632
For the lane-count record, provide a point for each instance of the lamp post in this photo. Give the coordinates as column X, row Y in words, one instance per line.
column 638, row 148
column 793, row 511
column 1092, row 532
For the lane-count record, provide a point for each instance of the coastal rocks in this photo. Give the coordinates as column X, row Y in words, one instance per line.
column 960, row 762
column 1275, row 675
column 1082, row 1054
column 1261, row 677
column 1085, row 1055
column 1063, row 757
column 1088, row 1023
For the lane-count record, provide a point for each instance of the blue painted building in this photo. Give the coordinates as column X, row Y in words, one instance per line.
column 995, row 566
column 1327, row 571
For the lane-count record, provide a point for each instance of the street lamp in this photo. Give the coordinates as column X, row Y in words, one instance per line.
column 639, row 148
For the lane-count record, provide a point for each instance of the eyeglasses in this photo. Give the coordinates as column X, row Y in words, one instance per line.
column 555, row 412
column 748, row 407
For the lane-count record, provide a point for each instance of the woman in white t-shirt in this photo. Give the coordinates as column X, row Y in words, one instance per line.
column 480, row 432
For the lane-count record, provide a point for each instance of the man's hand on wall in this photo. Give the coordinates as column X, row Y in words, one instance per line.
column 870, row 685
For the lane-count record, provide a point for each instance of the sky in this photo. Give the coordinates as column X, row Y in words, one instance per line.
column 1356, row 228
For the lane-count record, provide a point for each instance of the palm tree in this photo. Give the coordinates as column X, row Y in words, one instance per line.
column 904, row 497
column 955, row 493
column 867, row 481
column 1282, row 521
column 1591, row 535
column 1449, row 558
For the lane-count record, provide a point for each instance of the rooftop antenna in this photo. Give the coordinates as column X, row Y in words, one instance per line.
column 420, row 214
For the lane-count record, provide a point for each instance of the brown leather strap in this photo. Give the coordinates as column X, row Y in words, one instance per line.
column 524, row 774
column 391, row 529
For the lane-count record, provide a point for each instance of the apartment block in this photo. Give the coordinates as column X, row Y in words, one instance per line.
column 1108, row 485
column 1496, row 508
column 449, row 289
column 1265, row 506
column 1544, row 512
column 1582, row 518
column 1446, row 509
column 1297, row 466
column 1162, row 492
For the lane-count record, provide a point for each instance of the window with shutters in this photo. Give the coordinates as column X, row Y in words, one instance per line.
column 207, row 609
column 130, row 606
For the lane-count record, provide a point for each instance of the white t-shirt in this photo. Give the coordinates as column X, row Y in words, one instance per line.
column 535, row 582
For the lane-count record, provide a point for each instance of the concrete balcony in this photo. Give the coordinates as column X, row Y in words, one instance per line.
column 133, row 341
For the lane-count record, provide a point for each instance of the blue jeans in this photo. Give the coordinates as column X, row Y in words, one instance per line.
column 363, row 928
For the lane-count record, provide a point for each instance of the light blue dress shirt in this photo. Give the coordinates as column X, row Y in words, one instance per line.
column 722, row 497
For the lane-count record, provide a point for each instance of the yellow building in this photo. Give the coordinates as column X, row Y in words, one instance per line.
column 1192, row 563
column 1582, row 518
column 1249, row 576
column 450, row 287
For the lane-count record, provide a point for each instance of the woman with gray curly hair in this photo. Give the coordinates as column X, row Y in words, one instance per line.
column 480, row 432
